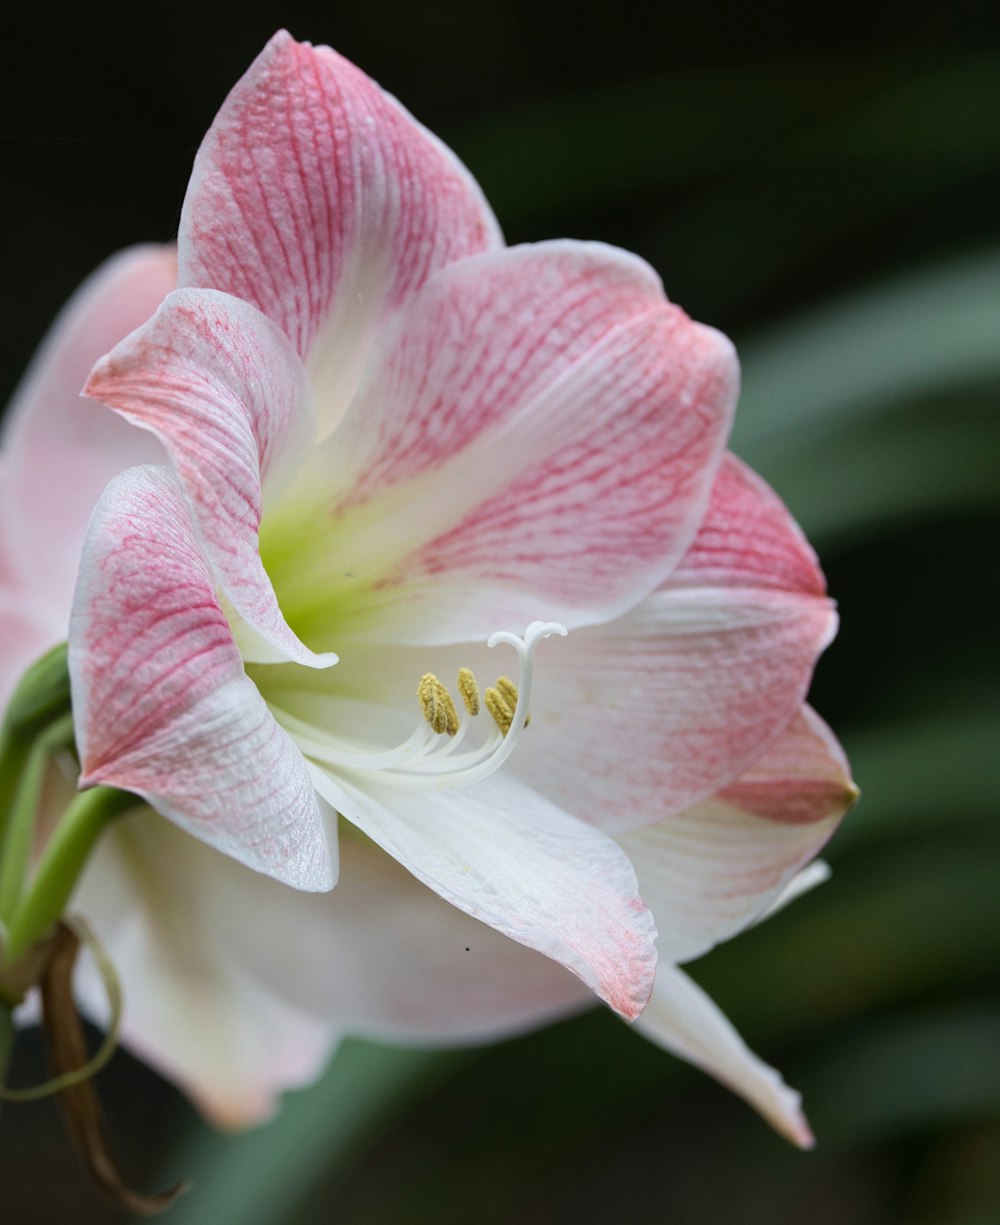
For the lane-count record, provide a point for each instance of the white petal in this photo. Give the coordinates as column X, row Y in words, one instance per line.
column 503, row 854
column 683, row 1020
column 236, row 986
column 708, row 872
column 191, row 1010
column 817, row 873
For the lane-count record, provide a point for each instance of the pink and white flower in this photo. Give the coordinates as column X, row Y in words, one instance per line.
column 389, row 441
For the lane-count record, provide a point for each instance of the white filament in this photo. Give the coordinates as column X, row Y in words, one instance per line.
column 427, row 760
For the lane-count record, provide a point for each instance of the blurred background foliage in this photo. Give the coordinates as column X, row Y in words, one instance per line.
column 827, row 192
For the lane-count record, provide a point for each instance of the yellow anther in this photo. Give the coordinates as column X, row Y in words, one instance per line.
column 499, row 708
column 468, row 690
column 435, row 701
column 508, row 691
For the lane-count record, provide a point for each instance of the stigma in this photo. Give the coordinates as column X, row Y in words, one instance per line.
column 438, row 754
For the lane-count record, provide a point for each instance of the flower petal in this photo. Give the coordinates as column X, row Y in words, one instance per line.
column 535, row 439
column 162, row 704
column 748, row 539
column 388, row 958
column 218, row 383
column 381, row 956
column 192, row 1011
column 27, row 629
column 683, row 1020
column 505, row 856
column 60, row 451
column 646, row 716
column 319, row 199
column 813, row 874
column 712, row 870
column 668, row 704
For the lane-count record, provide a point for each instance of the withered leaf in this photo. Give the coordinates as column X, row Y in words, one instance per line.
column 67, row 1051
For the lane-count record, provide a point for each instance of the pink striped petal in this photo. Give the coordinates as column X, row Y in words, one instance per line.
column 510, row 859
column 219, row 384
column 536, row 439
column 748, row 539
column 683, row 1020
column 59, row 450
column 710, row 871
column 162, row 704
column 670, row 703
column 646, row 716
column 319, row 199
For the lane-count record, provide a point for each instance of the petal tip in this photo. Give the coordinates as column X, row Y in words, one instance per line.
column 782, row 1108
column 631, row 989
column 91, row 389
column 798, row 1130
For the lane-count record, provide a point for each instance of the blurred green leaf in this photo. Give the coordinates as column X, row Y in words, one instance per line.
column 260, row 1177
column 938, row 772
column 932, row 121
column 909, row 1072
column 631, row 137
column 910, row 917
column 958, row 1182
column 837, row 195
column 922, row 460
column 933, row 332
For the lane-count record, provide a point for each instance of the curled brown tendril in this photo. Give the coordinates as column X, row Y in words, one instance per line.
column 72, row 1069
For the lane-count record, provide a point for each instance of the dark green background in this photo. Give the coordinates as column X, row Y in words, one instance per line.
column 824, row 186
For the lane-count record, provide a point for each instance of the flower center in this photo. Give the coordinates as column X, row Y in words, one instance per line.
column 437, row 756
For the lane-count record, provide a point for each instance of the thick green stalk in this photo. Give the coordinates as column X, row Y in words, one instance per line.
column 42, row 696
column 67, row 851
column 42, row 693
column 15, row 850
column 15, row 749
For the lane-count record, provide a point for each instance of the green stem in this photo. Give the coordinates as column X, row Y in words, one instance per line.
column 16, row 846
column 62, row 862
column 15, row 749
column 42, row 695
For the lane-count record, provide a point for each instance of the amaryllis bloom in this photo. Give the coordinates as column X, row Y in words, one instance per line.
column 408, row 486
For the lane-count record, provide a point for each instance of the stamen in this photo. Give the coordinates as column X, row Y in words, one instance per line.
column 468, row 690
column 501, row 710
column 426, row 760
column 437, row 705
